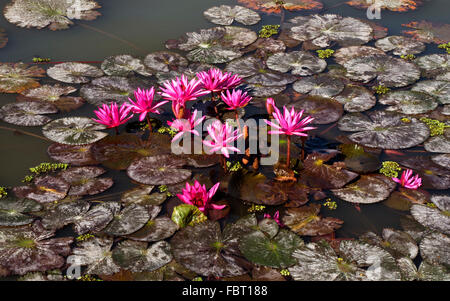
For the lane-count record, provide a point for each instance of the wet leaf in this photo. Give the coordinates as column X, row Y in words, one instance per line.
column 306, row 221
column 64, row 214
column 356, row 98
column 55, row 95
column 433, row 64
column 187, row 215
column 435, row 88
column 433, row 218
column 345, row 54
column 434, row 249
column 368, row 189
column 322, row 85
column 297, row 62
column 17, row 77
column 397, row 5
column 13, row 211
column 404, row 198
column 44, row 189
column 225, row 15
column 73, row 72
column 97, row 218
column 441, row 160
column 124, row 65
column 398, row 243
column 76, row 155
column 27, row 113
column 155, row 230
column 384, row 130
column 165, row 61
column 84, row 181
column 158, row 170
column 438, row 144
column 265, row 47
column 324, row 110
column 141, row 196
column 408, row 102
column 128, row 220
column 74, row 131
column 400, row 45
column 428, row 32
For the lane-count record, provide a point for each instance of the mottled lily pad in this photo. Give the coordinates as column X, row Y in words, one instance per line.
column 436, row 88
column 298, row 62
column 273, row 6
column 356, row 98
column 137, row 257
column 73, row 72
column 384, row 130
column 124, row 65
column 398, row 243
column 408, row 102
column 158, row 170
column 56, row 14
column 55, row 95
column 396, row 5
column 437, row 144
column 165, row 61
column 434, row 249
column 156, row 229
column 269, row 245
column 130, row 219
column 105, row 89
column 388, row 71
column 441, row 160
column 225, row 15
column 324, row 110
column 404, row 198
column 64, row 214
column 27, row 113
column 17, row 77
column 265, row 47
column 97, row 218
column 306, row 220
column 433, row 64
column 84, row 181
column 77, row 155
column 13, row 211
column 95, row 253
column 74, row 131
column 117, row 152
column 434, row 218
column 322, row 85
column 258, row 90
column 428, row 32
column 141, row 196
column 368, row 189
column 30, row 249
column 344, row 54
column 44, row 189
column 400, row 45
column 322, row 30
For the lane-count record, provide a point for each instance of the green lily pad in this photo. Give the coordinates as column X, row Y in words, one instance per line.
column 31, row 248
column 356, row 98
column 128, row 220
column 17, row 77
column 95, row 253
column 56, row 14
column 76, row 155
column 73, row 72
column 306, row 220
column 300, row 63
column 158, row 170
column 55, row 95
column 13, row 211
column 368, row 189
column 384, row 130
column 408, row 102
column 44, row 189
column 84, row 181
column 74, row 131
column 137, row 257
column 400, row 45
column 124, row 65
column 225, row 15
column 27, row 113
column 436, row 88
column 187, row 215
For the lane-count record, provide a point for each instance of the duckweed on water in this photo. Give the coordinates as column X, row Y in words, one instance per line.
column 390, row 169
column 445, row 46
column 332, row 205
column 3, row 192
column 408, row 57
column 324, row 54
column 381, row 90
column 268, row 30
column 256, row 208
column 167, row 130
column 436, row 127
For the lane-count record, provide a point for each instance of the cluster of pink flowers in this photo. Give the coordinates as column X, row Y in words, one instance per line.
column 222, row 136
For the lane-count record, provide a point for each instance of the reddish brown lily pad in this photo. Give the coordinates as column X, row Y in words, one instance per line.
column 77, row 155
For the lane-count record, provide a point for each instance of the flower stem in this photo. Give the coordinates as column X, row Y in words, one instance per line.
column 288, row 160
column 237, row 120
column 223, row 162
column 117, row 130
column 150, row 129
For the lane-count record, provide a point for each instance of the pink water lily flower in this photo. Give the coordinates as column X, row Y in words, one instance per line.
column 144, row 103
column 186, row 125
column 198, row 196
column 112, row 116
column 235, row 99
column 407, row 180
column 222, row 136
column 290, row 123
column 180, row 90
column 276, row 217
column 270, row 105
column 215, row 80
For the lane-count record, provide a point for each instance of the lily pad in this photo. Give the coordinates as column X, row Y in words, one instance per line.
column 117, row 152
column 433, row 64
column 104, row 89
column 400, row 45
column 158, row 170
column 124, row 65
column 187, row 215
column 265, row 47
column 384, row 130
column 437, row 144
column 27, row 113
column 368, row 189
column 345, row 54
column 322, row 85
column 165, row 61
column 225, row 15
column 56, row 14
column 398, row 243
column 73, row 72
column 306, row 220
column 31, row 248
column 434, row 249
column 74, row 131
column 388, row 71
column 441, row 160
column 409, row 102
column 95, row 253
column 322, row 30
column 300, row 63
column 137, row 257
column 324, row 110
column 17, row 77
column 64, row 214
column 273, row 6
column 397, row 5
column 77, row 155
column 434, row 218
column 404, row 198
column 55, row 95
column 96, row 219
column 269, row 245
column 356, row 98
column 428, row 32
column 128, row 220
column 258, row 90
column 436, row 88
column 13, row 211
column 156, row 229
column 141, row 196
column 84, row 181
column 44, row 189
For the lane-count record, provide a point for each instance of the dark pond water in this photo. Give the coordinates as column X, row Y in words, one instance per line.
column 138, row 27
